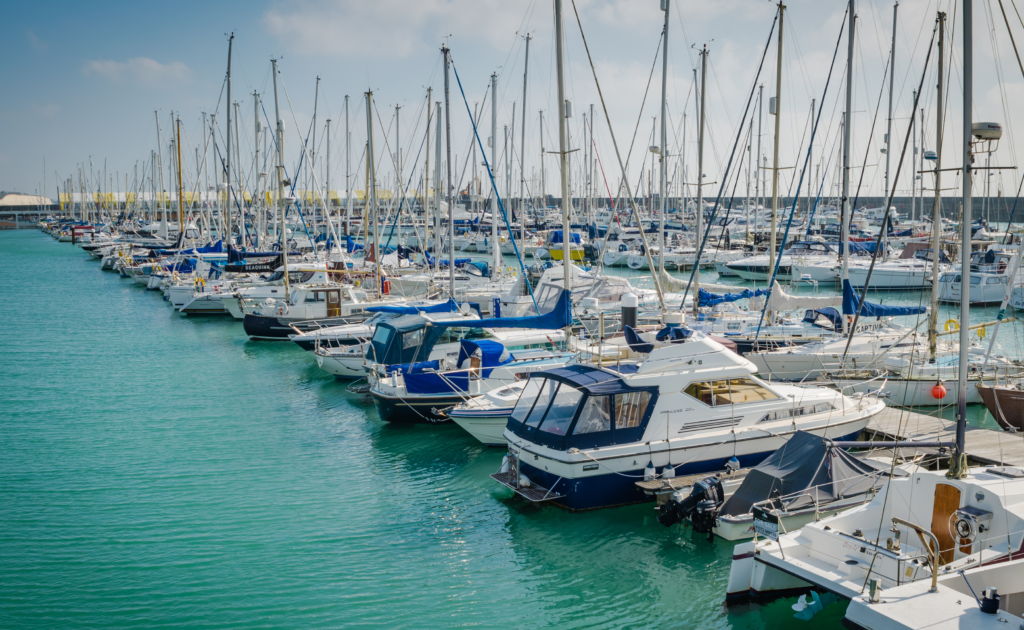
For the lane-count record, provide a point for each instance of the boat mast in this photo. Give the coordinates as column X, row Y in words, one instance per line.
column 700, row 177
column 448, row 182
column 181, row 214
column 778, row 126
column 847, row 211
column 372, row 189
column 348, row 172
column 227, row 145
column 563, row 156
column 933, row 323
column 965, row 221
column 892, row 77
column 425, row 245
column 495, row 250
column 543, row 195
column 664, row 141
column 522, row 152
column 281, row 206
column 437, row 191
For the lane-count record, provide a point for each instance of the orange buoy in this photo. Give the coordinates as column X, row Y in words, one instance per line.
column 939, row 391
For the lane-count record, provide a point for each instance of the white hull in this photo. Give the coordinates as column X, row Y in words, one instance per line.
column 489, row 430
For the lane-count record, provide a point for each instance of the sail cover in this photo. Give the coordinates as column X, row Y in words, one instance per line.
column 803, row 471
column 711, row 299
column 445, row 307
column 851, row 303
column 779, row 300
column 558, row 317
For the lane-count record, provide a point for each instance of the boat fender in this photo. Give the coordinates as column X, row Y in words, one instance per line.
column 649, row 472
column 524, row 481
column 504, row 464
column 732, row 465
column 669, row 472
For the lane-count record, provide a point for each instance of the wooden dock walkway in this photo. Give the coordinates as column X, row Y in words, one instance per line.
column 987, row 446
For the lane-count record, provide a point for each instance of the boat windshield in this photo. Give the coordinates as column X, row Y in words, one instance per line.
column 381, row 336
column 527, row 398
column 563, row 408
column 540, row 407
column 297, row 277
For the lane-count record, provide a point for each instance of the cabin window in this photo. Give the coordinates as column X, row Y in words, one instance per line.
column 527, row 398
column 596, row 416
column 975, row 279
column 547, row 393
column 311, row 297
column 729, row 392
column 562, row 410
column 412, row 339
column 630, row 409
column 381, row 335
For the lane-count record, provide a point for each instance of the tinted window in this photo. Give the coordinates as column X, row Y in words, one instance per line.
column 543, row 400
column 411, row 339
column 630, row 409
column 562, row 410
column 527, row 398
column 381, row 335
column 596, row 416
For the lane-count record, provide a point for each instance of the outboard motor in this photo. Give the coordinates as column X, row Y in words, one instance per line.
column 700, row 507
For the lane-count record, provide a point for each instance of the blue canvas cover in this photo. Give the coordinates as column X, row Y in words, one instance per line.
column 559, row 317
column 556, row 237
column 445, row 307
column 811, row 316
column 707, row 298
column 673, row 333
column 851, row 302
column 861, row 247
column 414, row 368
column 238, row 255
column 491, row 352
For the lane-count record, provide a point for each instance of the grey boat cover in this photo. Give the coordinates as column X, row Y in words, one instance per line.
column 803, row 471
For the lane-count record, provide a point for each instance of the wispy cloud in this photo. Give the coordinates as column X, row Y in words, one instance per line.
column 139, row 70
column 38, row 45
column 390, row 28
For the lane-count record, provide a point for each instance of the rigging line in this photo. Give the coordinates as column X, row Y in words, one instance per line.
column 494, row 186
column 718, row 199
column 401, row 202
column 622, row 167
column 888, row 205
column 803, row 171
column 871, row 134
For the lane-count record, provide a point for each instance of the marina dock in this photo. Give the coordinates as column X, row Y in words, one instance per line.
column 987, row 446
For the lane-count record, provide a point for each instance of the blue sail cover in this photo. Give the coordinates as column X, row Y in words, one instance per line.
column 851, row 302
column 414, row 368
column 706, row 298
column 238, row 255
column 445, row 307
column 556, row 237
column 490, row 352
column 216, row 248
column 860, row 247
column 556, row 318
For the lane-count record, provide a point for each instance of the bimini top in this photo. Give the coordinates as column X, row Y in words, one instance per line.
column 588, row 378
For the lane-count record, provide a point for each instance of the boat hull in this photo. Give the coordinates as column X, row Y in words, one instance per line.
column 421, row 410
column 488, row 427
column 1005, row 405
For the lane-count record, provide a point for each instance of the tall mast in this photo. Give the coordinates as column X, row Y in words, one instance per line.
column 892, row 77
column 348, row 172
column 778, row 127
column 757, row 159
column 933, row 320
column 847, row 210
column 282, row 207
column 159, row 164
column 261, row 222
column 664, row 140
column 522, row 152
column 327, row 179
column 563, row 156
column 181, row 207
column 448, row 181
column 227, row 144
column 913, row 161
column 496, row 251
column 543, row 194
column 965, row 221
column 426, row 180
column 700, row 177
column 372, row 189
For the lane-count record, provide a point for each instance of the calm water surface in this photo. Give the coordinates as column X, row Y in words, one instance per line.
column 161, row 471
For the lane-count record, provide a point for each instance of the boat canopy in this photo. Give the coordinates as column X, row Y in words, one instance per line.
column 581, row 406
column 712, row 299
column 805, row 471
column 429, row 381
column 829, row 313
column 851, row 303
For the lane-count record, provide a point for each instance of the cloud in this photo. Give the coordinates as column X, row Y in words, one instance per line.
column 37, row 44
column 389, row 28
column 47, row 110
column 139, row 70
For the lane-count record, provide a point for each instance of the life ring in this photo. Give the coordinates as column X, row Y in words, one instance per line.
column 952, row 324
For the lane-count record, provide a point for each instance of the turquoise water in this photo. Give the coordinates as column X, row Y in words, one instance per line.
column 160, row 471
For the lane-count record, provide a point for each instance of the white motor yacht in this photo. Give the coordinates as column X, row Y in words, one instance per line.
column 582, row 435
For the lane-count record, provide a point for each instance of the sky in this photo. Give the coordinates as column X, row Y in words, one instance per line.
column 84, row 80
